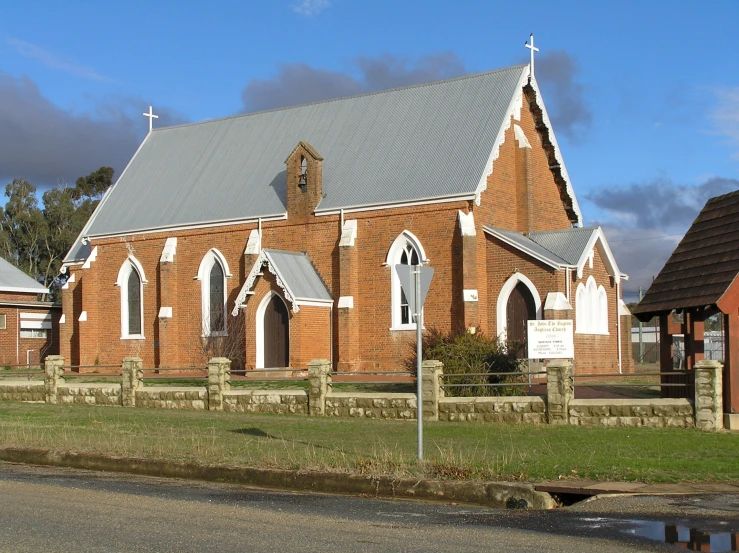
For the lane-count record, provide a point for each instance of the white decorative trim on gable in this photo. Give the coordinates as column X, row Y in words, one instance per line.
column 556, row 301
column 90, row 258
column 505, row 293
column 348, row 234
column 467, row 223
column 169, row 250
column 598, row 240
column 520, row 136
column 263, row 260
column 514, row 112
column 253, row 245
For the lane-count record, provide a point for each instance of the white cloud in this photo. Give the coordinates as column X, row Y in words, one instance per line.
column 310, row 7
column 726, row 116
column 54, row 61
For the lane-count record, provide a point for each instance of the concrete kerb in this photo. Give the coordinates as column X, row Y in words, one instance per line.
column 488, row 494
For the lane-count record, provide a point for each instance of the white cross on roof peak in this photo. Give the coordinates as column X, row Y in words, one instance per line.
column 533, row 49
column 151, row 116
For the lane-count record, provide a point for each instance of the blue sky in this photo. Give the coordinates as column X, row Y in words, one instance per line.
column 644, row 96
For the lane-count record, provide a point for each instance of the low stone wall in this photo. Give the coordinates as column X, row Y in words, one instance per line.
column 89, row 394
column 22, row 390
column 371, row 406
column 279, row 402
column 162, row 397
column 632, row 412
column 493, row 409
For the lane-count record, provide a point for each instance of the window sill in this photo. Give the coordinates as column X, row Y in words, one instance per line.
column 405, row 327
column 588, row 333
column 214, row 335
column 133, row 337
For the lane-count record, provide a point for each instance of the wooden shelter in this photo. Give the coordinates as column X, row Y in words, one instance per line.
column 699, row 281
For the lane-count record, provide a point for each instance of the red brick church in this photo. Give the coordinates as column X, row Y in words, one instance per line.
column 278, row 231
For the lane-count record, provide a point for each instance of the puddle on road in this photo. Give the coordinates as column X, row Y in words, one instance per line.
column 684, row 537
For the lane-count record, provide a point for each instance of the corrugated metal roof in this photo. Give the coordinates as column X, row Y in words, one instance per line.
column 12, row 279
column 568, row 244
column 703, row 265
column 419, row 142
column 525, row 244
column 298, row 275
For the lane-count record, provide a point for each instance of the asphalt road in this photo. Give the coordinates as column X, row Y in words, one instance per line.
column 59, row 510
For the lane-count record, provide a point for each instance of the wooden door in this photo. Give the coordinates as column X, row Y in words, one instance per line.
column 520, row 309
column 276, row 334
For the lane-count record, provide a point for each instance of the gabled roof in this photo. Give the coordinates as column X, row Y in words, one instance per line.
column 295, row 274
column 12, row 279
column 528, row 246
column 705, row 263
column 565, row 248
column 427, row 142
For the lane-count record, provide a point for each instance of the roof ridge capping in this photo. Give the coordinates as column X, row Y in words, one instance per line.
column 341, row 98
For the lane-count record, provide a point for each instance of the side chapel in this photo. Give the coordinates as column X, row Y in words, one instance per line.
column 279, row 230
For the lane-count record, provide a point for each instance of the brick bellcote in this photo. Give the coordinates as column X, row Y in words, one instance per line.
column 304, row 181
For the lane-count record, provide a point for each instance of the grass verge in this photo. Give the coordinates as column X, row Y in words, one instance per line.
column 453, row 450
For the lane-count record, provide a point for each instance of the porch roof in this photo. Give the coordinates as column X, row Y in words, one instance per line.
column 295, row 275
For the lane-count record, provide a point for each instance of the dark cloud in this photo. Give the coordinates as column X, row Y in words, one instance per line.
column 47, row 145
column 556, row 72
column 647, row 221
column 660, row 204
column 640, row 255
column 298, row 83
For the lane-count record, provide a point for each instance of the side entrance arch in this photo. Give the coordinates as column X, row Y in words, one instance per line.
column 520, row 308
column 518, row 302
column 273, row 333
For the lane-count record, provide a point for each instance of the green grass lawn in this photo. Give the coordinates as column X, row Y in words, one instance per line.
column 453, row 450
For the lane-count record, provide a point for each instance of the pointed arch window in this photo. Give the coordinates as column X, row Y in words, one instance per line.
column 405, row 250
column 591, row 308
column 212, row 274
column 131, row 280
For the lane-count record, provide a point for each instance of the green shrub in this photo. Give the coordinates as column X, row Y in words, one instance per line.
column 463, row 353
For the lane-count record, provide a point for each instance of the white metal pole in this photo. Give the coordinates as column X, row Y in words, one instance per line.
column 419, row 352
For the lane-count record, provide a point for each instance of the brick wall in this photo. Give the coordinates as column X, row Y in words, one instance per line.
column 372, row 345
column 16, row 350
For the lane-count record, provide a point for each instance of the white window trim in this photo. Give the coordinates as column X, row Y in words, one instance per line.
column 260, row 325
column 131, row 264
column 505, row 294
column 213, row 256
column 591, row 311
column 392, row 259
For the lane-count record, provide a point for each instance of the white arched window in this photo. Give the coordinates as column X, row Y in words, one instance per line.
column 212, row 275
column 131, row 280
column 591, row 308
column 406, row 250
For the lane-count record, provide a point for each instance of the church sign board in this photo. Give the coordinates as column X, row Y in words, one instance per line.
column 551, row 339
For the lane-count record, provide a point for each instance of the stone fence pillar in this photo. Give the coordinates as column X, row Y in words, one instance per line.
column 559, row 391
column 431, row 372
column 53, row 376
column 319, row 385
column 133, row 373
column 218, row 382
column 709, row 398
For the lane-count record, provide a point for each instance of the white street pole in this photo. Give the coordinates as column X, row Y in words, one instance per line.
column 419, row 352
